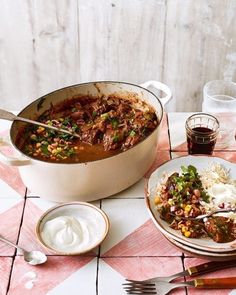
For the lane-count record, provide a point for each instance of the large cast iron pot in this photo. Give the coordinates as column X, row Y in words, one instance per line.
column 92, row 180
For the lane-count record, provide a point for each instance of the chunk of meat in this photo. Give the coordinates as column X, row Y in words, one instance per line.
column 77, row 115
column 99, row 107
column 130, row 141
column 123, row 109
column 221, row 229
column 170, row 181
column 112, row 139
column 92, row 136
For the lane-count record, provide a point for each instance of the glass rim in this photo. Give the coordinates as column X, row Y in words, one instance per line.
column 219, row 81
column 225, row 83
column 190, row 129
column 231, row 101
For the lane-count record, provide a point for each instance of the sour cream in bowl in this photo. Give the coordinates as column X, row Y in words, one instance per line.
column 72, row 228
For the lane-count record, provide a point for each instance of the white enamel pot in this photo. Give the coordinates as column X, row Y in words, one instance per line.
column 93, row 180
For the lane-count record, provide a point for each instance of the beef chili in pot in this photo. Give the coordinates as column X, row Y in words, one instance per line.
column 106, row 126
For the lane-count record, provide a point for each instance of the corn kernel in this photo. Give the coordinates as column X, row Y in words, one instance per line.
column 157, row 200
column 40, row 130
column 187, row 208
column 184, row 229
column 171, row 202
column 180, row 225
column 187, row 234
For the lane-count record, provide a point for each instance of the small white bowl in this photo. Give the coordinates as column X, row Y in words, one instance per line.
column 79, row 210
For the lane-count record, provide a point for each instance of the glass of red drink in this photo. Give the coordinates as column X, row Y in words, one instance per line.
column 201, row 130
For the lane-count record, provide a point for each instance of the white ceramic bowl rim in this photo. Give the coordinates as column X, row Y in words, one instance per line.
column 55, row 208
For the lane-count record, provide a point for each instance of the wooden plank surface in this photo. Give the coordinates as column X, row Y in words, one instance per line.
column 200, row 46
column 121, row 40
column 38, row 49
column 46, row 45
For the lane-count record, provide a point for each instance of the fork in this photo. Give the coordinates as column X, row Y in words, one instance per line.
column 199, row 217
column 163, row 288
column 191, row 271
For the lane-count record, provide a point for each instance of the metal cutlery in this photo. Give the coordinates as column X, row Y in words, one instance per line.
column 32, row 257
column 5, row 115
column 199, row 217
column 163, row 288
column 192, row 271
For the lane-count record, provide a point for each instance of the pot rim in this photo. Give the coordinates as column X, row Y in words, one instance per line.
column 86, row 83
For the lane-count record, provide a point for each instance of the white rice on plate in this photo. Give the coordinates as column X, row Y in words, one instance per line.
column 221, row 189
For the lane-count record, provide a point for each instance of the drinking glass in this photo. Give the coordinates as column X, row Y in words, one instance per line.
column 201, row 131
column 220, row 97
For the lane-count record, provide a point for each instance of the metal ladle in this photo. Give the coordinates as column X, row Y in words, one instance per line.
column 32, row 257
column 5, row 115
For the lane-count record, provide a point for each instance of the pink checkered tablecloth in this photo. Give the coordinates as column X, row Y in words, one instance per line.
column 133, row 249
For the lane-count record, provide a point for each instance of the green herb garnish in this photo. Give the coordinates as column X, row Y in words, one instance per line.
column 114, row 123
column 116, row 138
column 132, row 133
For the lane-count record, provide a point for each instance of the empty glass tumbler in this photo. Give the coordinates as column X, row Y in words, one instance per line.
column 220, row 97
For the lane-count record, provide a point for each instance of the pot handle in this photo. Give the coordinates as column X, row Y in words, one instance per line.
column 12, row 161
column 160, row 86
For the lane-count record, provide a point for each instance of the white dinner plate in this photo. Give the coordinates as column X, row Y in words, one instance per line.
column 190, row 251
column 200, row 162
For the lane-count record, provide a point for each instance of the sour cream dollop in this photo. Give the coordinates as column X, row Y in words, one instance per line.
column 222, row 193
column 69, row 234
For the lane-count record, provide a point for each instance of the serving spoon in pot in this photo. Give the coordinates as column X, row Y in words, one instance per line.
column 32, row 257
column 5, row 115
